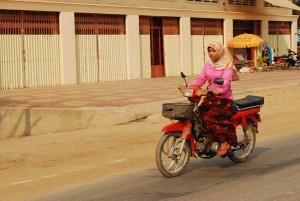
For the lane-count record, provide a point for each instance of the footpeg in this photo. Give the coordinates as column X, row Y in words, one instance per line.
column 245, row 142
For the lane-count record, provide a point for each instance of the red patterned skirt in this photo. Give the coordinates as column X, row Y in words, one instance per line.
column 216, row 116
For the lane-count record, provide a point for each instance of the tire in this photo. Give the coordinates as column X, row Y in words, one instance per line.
column 246, row 137
column 168, row 162
column 285, row 66
column 280, row 66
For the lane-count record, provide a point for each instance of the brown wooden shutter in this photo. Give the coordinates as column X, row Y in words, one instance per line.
column 98, row 24
column 202, row 26
column 197, row 26
column 279, row 28
column 41, row 23
column 144, row 25
column 171, row 26
column 29, row 22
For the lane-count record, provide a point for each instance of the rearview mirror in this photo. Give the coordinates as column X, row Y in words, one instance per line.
column 182, row 75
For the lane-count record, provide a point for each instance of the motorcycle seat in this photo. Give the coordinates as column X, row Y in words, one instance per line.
column 247, row 102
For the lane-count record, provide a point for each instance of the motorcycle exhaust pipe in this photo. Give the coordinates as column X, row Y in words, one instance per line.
column 215, row 147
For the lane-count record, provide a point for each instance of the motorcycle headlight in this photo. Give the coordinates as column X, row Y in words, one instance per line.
column 187, row 92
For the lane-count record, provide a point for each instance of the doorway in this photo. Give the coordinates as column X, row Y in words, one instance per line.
column 157, row 47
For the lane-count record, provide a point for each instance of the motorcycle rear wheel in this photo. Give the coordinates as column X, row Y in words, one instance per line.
column 246, row 136
column 168, row 160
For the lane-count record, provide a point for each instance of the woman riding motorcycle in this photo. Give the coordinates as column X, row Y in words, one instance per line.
column 216, row 110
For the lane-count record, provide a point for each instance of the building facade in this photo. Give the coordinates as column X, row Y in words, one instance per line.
column 47, row 43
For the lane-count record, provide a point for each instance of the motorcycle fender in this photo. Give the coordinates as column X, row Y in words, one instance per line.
column 252, row 117
column 186, row 131
column 173, row 127
column 185, row 127
column 257, row 116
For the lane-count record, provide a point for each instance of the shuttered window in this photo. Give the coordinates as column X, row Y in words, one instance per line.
column 171, row 26
column 99, row 24
column 205, row 1
column 201, row 26
column 144, row 25
column 279, row 28
column 243, row 2
column 246, row 26
column 267, row 4
column 28, row 22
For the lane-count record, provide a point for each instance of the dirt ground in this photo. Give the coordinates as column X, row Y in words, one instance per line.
column 39, row 164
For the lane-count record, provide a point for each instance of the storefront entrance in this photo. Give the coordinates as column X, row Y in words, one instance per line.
column 157, row 47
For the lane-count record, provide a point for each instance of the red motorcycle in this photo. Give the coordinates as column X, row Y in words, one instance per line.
column 280, row 61
column 184, row 137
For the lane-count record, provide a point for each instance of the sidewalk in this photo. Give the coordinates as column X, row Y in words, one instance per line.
column 122, row 93
column 37, row 111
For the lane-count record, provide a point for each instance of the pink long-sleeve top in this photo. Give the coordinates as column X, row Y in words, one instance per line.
column 209, row 73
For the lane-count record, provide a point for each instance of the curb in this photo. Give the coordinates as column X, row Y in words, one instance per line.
column 18, row 122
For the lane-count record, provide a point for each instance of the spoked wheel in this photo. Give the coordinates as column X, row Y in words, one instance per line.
column 285, row 66
column 169, row 161
column 246, row 137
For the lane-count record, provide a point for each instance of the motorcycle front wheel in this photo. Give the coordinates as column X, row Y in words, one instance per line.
column 169, row 161
column 285, row 66
column 246, row 137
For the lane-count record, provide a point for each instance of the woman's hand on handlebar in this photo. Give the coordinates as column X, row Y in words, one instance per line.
column 216, row 92
column 213, row 93
column 181, row 87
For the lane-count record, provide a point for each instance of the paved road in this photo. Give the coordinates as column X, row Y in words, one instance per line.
column 272, row 174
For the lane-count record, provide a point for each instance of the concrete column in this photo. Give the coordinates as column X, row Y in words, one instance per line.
column 228, row 34
column 294, row 35
column 67, row 48
column 133, row 47
column 264, row 32
column 186, row 45
column 264, row 29
column 228, row 30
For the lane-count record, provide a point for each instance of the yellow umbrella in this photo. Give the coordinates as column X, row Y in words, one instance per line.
column 245, row 40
